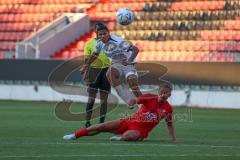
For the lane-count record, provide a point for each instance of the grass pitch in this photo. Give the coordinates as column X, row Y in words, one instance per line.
column 30, row 130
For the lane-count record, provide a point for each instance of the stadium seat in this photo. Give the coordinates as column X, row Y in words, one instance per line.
column 179, row 28
column 27, row 16
column 2, row 55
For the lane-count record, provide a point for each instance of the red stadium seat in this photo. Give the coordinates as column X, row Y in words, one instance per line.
column 27, row 16
column 2, row 55
column 170, row 31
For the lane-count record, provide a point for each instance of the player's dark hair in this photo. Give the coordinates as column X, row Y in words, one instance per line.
column 166, row 85
column 100, row 26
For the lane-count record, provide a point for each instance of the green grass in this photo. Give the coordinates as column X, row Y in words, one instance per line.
column 31, row 130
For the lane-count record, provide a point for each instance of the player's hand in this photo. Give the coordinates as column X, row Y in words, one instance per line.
column 132, row 104
column 83, row 69
column 131, row 107
column 161, row 99
column 125, row 62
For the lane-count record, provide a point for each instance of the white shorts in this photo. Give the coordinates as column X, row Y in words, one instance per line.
column 125, row 71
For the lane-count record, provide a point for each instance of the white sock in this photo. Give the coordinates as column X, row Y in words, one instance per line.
column 115, row 138
column 69, row 137
column 125, row 94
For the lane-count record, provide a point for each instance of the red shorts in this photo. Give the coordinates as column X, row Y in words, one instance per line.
column 126, row 125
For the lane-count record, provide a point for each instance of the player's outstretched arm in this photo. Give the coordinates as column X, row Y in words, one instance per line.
column 89, row 61
column 134, row 54
column 171, row 131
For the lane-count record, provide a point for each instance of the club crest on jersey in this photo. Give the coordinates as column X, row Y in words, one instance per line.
column 113, row 48
column 150, row 116
column 124, row 45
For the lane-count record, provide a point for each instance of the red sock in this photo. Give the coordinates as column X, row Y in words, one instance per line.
column 82, row 132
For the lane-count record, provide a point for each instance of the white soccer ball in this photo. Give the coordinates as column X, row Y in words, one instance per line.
column 124, row 16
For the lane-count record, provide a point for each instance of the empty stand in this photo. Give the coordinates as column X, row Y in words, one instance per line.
column 186, row 30
column 21, row 18
column 166, row 30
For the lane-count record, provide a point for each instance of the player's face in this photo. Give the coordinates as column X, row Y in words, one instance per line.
column 103, row 35
column 164, row 94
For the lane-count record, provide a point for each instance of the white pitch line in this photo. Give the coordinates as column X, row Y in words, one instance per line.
column 121, row 155
column 126, row 144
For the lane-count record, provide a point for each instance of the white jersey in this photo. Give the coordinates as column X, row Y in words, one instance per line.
column 116, row 49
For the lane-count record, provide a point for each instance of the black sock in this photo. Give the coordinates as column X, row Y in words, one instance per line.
column 87, row 124
column 102, row 119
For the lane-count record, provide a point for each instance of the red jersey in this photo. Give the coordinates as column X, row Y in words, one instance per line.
column 150, row 113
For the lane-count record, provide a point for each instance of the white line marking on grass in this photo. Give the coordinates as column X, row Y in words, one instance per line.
column 122, row 155
column 146, row 144
column 125, row 144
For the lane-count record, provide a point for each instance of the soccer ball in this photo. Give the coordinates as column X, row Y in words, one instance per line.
column 124, row 16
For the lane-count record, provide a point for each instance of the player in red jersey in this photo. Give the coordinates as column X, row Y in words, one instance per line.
column 154, row 108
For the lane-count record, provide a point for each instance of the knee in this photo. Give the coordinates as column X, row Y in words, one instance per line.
column 131, row 136
column 90, row 102
column 92, row 92
column 112, row 73
column 104, row 94
column 132, row 77
column 133, row 85
column 103, row 100
column 132, row 80
column 103, row 104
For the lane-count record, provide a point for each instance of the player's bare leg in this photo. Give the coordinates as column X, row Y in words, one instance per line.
column 114, row 78
column 104, row 127
column 133, row 84
column 130, row 135
column 93, row 130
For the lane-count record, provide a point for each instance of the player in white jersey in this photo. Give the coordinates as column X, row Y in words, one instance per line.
column 122, row 55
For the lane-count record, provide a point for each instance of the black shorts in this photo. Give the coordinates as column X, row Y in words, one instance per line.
column 97, row 80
